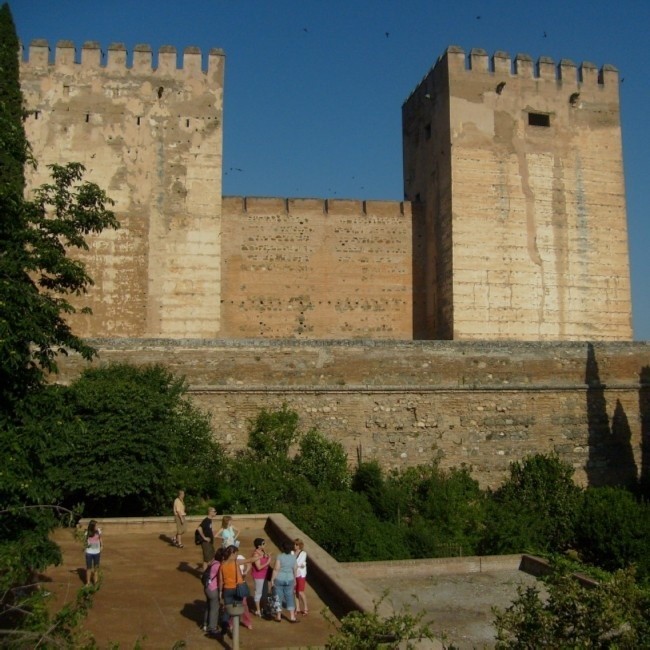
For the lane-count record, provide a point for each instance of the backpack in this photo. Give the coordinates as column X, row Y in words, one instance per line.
column 206, row 577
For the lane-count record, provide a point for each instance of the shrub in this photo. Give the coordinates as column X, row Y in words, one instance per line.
column 344, row 525
column 611, row 615
column 272, row 433
column 534, row 510
column 369, row 631
column 322, row 462
column 613, row 530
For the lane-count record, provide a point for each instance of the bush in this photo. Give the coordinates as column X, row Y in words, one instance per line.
column 534, row 510
column 344, row 525
column 322, row 462
column 611, row 615
column 613, row 530
column 272, row 433
column 368, row 631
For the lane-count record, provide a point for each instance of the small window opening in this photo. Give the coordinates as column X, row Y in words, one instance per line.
column 427, row 131
column 539, row 119
column 138, row 120
column 187, row 123
column 36, row 114
column 87, row 118
column 160, row 92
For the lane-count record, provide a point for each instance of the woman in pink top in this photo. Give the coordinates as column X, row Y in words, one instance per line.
column 259, row 571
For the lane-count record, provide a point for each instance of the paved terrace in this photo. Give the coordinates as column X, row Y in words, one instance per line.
column 151, row 590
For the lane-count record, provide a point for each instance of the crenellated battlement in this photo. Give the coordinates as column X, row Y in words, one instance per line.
column 116, row 58
column 523, row 66
column 301, row 206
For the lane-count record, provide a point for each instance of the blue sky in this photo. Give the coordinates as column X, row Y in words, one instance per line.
column 314, row 88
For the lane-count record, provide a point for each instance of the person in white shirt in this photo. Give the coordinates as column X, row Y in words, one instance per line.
column 179, row 518
column 301, row 576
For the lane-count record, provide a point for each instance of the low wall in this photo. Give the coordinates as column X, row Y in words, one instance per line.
column 479, row 404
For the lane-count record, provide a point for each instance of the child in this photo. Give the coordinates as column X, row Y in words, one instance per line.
column 228, row 533
column 93, row 539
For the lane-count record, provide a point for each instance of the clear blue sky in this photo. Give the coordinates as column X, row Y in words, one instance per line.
column 314, row 88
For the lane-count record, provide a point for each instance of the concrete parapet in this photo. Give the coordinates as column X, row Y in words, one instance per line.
column 436, row 566
column 342, row 591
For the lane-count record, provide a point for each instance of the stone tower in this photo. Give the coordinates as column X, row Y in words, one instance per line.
column 152, row 137
column 519, row 170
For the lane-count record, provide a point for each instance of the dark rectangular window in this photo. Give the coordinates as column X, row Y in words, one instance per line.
column 539, row 119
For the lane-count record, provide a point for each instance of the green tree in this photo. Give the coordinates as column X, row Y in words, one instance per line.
column 272, row 433
column 534, row 510
column 14, row 152
column 322, row 462
column 36, row 279
column 37, row 275
column 132, row 441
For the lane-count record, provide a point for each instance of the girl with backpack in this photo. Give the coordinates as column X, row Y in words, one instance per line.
column 210, row 580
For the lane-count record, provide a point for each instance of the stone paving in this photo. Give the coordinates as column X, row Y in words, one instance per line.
column 151, row 594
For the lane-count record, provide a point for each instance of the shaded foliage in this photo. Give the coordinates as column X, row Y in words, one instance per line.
column 534, row 510
column 613, row 530
column 613, row 614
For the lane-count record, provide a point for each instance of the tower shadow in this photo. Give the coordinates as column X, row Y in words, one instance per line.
column 610, row 460
column 644, row 414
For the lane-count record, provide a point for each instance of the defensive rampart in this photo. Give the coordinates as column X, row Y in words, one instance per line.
column 482, row 404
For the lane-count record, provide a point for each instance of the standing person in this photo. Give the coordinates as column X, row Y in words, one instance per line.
column 179, row 518
column 204, row 536
column 259, row 571
column 246, row 619
column 284, row 581
column 94, row 545
column 211, row 590
column 229, row 577
column 301, row 576
column 228, row 533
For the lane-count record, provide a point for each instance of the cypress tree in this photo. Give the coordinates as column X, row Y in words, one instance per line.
column 14, row 149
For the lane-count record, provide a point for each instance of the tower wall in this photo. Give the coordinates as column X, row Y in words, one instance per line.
column 532, row 213
column 152, row 137
column 314, row 269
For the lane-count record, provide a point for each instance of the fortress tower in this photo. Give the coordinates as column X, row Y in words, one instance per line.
column 152, row 138
column 514, row 225
column 520, row 172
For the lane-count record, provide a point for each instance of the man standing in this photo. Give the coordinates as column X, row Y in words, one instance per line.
column 179, row 518
column 204, row 535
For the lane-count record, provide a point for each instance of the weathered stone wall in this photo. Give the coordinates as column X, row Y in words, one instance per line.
column 152, row 138
column 484, row 404
column 532, row 215
column 511, row 231
column 319, row 269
